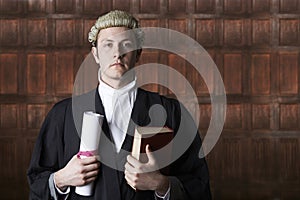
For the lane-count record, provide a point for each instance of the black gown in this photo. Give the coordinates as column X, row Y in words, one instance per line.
column 58, row 142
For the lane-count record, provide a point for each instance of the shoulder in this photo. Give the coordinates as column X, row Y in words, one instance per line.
column 158, row 98
column 61, row 108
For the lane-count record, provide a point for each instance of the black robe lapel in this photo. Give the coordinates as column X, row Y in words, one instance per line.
column 110, row 175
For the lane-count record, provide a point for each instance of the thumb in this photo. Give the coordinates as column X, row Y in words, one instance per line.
column 149, row 154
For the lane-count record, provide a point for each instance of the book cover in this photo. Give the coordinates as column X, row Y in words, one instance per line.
column 157, row 138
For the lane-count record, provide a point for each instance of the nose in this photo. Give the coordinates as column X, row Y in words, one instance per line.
column 119, row 52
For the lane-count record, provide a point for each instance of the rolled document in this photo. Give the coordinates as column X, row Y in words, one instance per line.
column 90, row 137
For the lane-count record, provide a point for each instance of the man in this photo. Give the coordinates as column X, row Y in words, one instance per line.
column 55, row 169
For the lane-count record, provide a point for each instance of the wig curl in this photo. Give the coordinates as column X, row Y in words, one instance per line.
column 116, row 18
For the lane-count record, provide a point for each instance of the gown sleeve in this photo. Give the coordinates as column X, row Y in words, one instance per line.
column 189, row 173
column 46, row 154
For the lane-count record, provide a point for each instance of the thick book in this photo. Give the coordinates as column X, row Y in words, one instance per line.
column 159, row 139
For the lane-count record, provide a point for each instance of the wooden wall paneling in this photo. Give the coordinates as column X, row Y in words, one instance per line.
column 235, row 6
column 11, row 6
column 264, row 162
column 10, row 32
column 63, row 76
column 37, row 6
column 9, row 73
column 234, row 32
column 289, row 149
column 197, row 72
column 9, row 115
column 234, row 153
column 37, row 32
column 147, row 74
column 233, row 70
column 289, row 32
column 180, row 25
column 206, row 32
column 261, row 116
column 65, row 6
column 178, row 6
column 9, row 167
column 96, row 6
column 151, row 7
column 260, row 74
column 64, row 32
column 177, row 63
column 149, row 22
column 35, row 115
column 289, row 117
column 254, row 44
column 234, row 116
column 205, row 116
column 289, row 70
column 122, row 5
column 259, row 6
column 36, row 73
column 205, row 6
column 261, row 32
column 291, row 6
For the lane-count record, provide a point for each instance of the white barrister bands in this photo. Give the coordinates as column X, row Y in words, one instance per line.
column 90, row 137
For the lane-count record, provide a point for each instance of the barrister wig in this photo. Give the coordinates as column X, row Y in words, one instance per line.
column 116, row 18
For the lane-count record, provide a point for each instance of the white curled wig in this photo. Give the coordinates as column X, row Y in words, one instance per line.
column 116, row 18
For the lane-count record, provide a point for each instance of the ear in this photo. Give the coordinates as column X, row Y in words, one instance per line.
column 95, row 54
column 138, row 55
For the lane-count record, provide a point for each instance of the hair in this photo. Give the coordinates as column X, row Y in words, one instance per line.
column 116, row 18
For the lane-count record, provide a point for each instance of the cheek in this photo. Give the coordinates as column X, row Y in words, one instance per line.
column 104, row 59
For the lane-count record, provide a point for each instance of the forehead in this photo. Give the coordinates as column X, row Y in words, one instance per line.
column 116, row 34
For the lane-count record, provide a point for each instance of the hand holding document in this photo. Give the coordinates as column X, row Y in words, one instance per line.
column 90, row 137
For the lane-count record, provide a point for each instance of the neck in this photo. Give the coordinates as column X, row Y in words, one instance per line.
column 119, row 83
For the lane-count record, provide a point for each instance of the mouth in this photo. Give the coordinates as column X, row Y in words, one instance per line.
column 118, row 65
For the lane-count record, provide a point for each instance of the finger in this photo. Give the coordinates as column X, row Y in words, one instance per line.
column 131, row 180
column 91, row 167
column 91, row 174
column 89, row 180
column 89, row 160
column 149, row 154
column 133, row 162
column 129, row 168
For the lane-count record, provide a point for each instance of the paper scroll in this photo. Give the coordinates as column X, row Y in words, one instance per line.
column 90, row 137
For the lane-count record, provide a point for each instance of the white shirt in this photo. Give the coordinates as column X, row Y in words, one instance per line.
column 118, row 104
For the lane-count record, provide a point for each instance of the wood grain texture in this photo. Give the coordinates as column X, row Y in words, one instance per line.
column 254, row 44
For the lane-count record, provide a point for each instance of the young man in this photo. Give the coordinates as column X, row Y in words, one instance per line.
column 55, row 170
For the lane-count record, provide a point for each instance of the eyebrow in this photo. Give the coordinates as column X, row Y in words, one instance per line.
column 109, row 40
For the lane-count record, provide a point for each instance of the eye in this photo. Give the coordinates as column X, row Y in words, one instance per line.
column 128, row 45
column 108, row 45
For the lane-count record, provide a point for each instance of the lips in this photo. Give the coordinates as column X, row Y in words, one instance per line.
column 117, row 64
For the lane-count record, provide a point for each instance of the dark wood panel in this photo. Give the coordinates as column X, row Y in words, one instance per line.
column 260, row 74
column 205, row 6
column 259, row 6
column 289, row 68
column 36, row 74
column 233, row 73
column 255, row 44
column 234, row 32
column 10, row 32
column 289, row 32
column 37, row 32
column 9, row 73
column 149, row 6
column 206, row 32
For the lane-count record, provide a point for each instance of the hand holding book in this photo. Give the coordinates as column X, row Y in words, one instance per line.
column 145, row 176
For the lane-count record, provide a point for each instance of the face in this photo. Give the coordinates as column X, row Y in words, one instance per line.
column 116, row 55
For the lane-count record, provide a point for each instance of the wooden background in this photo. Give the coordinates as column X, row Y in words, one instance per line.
column 255, row 44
